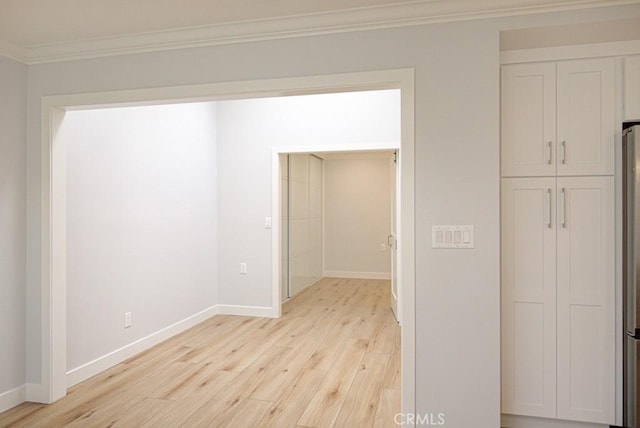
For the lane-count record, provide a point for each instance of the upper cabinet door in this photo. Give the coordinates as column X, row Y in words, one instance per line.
column 586, row 117
column 585, row 299
column 528, row 120
column 632, row 88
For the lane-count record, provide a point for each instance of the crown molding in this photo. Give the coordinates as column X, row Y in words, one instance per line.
column 358, row 19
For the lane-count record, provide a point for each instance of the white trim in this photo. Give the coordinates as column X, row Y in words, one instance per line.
column 13, row 398
column 339, row 150
column 53, row 269
column 513, row 421
column 406, row 13
column 246, row 311
column 363, row 155
column 53, row 287
column 276, row 223
column 92, row 368
column 37, row 393
column 356, row 275
column 406, row 251
column 560, row 53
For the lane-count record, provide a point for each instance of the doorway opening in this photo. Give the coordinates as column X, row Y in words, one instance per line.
column 338, row 214
column 53, row 250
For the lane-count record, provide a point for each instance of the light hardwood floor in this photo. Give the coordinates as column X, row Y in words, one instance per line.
column 332, row 360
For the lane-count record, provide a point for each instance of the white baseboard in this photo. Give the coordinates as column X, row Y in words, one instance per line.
column 356, row 275
column 105, row 362
column 247, row 311
column 13, row 398
column 512, row 421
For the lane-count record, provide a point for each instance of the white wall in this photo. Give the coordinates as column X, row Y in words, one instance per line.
column 141, row 222
column 357, row 208
column 13, row 186
column 248, row 130
column 457, row 169
column 305, row 225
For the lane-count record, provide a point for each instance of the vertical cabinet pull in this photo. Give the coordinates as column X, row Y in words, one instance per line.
column 549, row 159
column 563, row 206
column 549, row 214
column 564, row 151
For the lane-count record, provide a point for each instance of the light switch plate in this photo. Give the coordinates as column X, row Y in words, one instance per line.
column 460, row 236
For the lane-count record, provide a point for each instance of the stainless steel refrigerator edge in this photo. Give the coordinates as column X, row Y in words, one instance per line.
column 631, row 266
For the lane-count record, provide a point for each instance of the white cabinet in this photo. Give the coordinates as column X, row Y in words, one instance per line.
column 528, row 119
column 586, row 117
column 632, row 88
column 529, row 296
column 558, row 326
column 558, row 118
column 585, row 299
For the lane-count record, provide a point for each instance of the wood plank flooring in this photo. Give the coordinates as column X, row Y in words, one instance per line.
column 332, row 360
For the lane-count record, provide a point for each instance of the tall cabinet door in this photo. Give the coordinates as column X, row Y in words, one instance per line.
column 528, row 119
column 586, row 117
column 586, row 278
column 528, row 296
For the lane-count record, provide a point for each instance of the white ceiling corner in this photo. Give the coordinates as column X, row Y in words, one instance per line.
column 391, row 13
column 12, row 51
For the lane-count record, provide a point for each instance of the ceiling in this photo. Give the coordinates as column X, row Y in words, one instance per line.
column 51, row 30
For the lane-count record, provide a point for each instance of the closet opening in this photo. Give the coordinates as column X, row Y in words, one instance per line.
column 338, row 214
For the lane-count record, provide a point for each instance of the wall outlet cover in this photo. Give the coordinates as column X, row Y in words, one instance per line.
column 452, row 236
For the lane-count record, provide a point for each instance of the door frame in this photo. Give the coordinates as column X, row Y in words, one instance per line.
column 53, row 324
column 396, row 210
column 276, row 215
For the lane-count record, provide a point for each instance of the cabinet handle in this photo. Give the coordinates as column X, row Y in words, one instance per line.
column 564, row 151
column 564, row 208
column 549, row 214
column 550, row 153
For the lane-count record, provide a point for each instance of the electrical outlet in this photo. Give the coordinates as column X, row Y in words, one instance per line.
column 127, row 319
column 243, row 268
